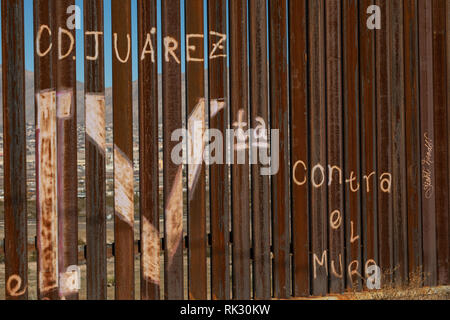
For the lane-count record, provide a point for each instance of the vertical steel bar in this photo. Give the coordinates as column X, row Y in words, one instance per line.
column 218, row 175
column 352, row 142
column 412, row 116
column 123, row 149
column 279, row 115
column 368, row 136
column 318, row 148
column 299, row 57
column 259, row 102
column 427, row 142
column 14, row 144
column 196, row 117
column 66, row 111
column 384, row 143
column 240, row 169
column 173, row 180
column 46, row 157
column 397, row 109
column 335, row 144
column 441, row 141
column 448, row 105
column 95, row 114
column 148, row 150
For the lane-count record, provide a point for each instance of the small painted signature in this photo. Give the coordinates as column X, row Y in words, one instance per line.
column 427, row 164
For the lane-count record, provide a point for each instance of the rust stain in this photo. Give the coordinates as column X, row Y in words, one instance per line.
column 123, row 187
column 48, row 214
column 151, row 240
column 95, row 119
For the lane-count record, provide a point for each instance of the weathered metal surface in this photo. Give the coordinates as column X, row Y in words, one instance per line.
column 219, row 173
column 441, row 141
column 352, row 143
column 413, row 139
column 318, row 149
column 369, row 149
column 448, row 106
column 335, row 139
column 95, row 114
column 299, row 59
column 425, row 40
column 148, row 151
column 173, row 182
column 385, row 242
column 66, row 112
column 46, row 151
column 14, row 152
column 240, row 197
column 397, row 109
column 123, row 149
column 259, row 142
column 195, row 84
column 279, row 116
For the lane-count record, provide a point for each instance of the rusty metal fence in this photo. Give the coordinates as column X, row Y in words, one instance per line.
column 356, row 97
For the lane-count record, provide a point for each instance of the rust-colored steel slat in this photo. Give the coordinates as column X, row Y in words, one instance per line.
column 196, row 122
column 352, row 143
column 14, row 144
column 427, row 144
column 412, row 136
column 368, row 138
column 299, row 56
column 385, row 242
column 95, row 114
column 441, row 141
column 335, row 141
column 218, row 173
column 240, row 196
column 318, row 149
column 66, row 112
column 173, row 173
column 46, row 151
column 448, row 106
column 259, row 150
column 148, row 151
column 396, row 96
column 123, row 150
column 279, row 115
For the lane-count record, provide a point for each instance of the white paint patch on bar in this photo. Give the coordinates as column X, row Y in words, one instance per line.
column 174, row 207
column 123, row 187
column 216, row 106
column 64, row 104
column 151, row 249
column 95, row 119
column 47, row 169
column 70, row 281
column 196, row 145
column 197, row 128
column 174, row 215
